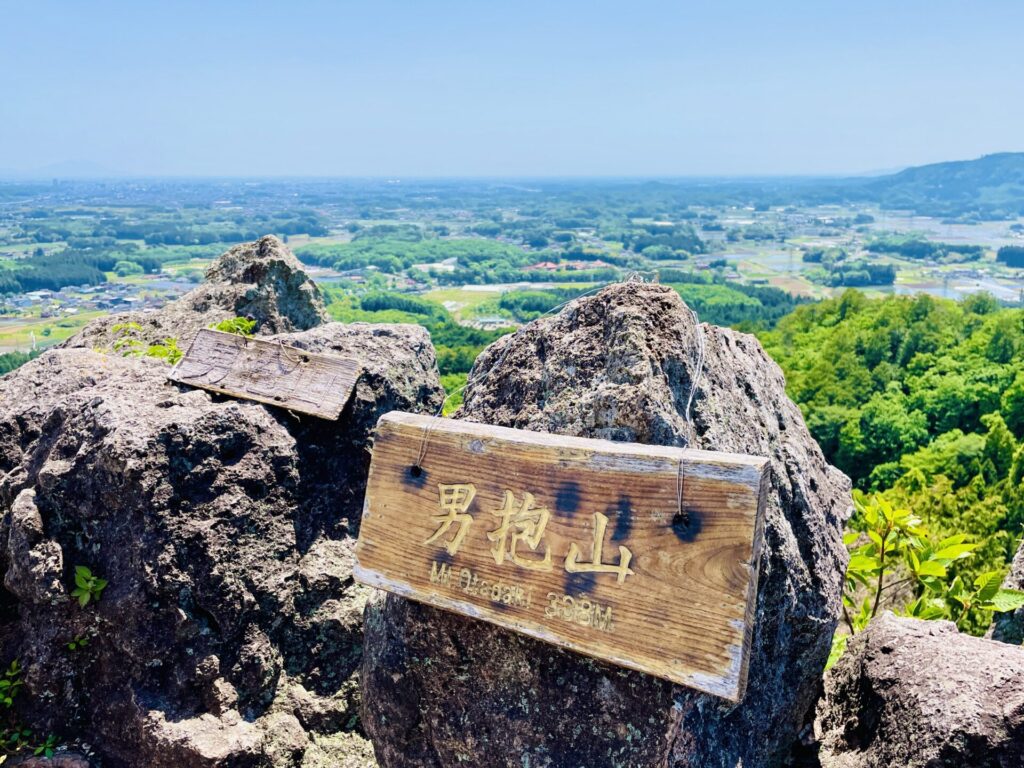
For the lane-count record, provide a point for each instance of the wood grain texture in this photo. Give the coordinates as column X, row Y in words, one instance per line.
column 458, row 531
column 268, row 372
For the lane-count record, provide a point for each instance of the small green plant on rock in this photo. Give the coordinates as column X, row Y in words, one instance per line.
column 242, row 326
column 15, row 740
column 891, row 548
column 87, row 586
column 128, row 342
column 78, row 643
column 14, row 737
column 165, row 350
column 126, row 339
column 10, row 683
column 47, row 748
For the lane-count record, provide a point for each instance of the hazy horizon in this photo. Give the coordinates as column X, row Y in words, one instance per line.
column 63, row 172
column 456, row 90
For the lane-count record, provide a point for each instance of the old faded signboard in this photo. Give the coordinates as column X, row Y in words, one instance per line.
column 644, row 556
column 268, row 372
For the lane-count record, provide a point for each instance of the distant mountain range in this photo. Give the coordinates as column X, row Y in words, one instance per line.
column 990, row 185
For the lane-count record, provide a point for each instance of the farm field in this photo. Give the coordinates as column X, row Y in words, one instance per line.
column 489, row 256
column 26, row 333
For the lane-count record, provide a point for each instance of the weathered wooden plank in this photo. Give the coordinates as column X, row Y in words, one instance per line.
column 268, row 372
column 574, row 541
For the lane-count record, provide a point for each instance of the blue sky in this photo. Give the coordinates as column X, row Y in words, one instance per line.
column 496, row 88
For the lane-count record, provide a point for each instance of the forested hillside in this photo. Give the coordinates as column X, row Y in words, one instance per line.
column 921, row 399
column 990, row 186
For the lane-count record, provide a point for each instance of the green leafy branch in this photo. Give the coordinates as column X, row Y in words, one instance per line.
column 18, row 739
column 891, row 547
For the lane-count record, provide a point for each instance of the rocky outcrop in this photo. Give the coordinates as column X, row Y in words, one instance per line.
column 918, row 693
column 261, row 280
column 443, row 690
column 1009, row 627
column 230, row 632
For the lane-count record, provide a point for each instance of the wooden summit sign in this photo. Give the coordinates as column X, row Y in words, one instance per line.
column 577, row 542
column 268, row 372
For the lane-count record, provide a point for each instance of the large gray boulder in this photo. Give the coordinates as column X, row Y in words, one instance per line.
column 443, row 690
column 231, row 631
column 261, row 280
column 918, row 694
column 1009, row 627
